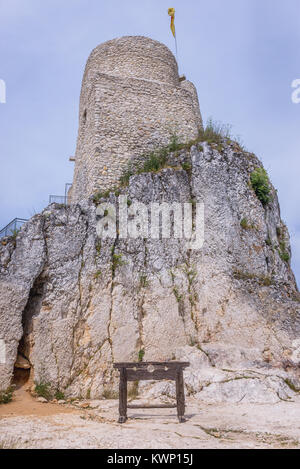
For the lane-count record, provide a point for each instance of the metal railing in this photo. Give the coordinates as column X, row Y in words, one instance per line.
column 60, row 199
column 13, row 227
column 57, row 199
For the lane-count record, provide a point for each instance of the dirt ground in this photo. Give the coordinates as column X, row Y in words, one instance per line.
column 26, row 423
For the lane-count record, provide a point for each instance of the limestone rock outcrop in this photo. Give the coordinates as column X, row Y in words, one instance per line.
column 73, row 304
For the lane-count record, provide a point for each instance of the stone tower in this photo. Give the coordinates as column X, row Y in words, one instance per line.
column 132, row 100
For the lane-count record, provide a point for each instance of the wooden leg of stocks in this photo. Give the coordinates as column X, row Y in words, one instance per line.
column 180, row 396
column 123, row 396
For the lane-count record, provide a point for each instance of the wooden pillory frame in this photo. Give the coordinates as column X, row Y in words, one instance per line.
column 151, row 371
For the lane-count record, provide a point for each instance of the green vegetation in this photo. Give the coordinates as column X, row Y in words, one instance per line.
column 117, row 261
column 244, row 223
column 178, row 296
column 284, row 256
column 186, row 165
column 261, row 185
column 6, row 396
column 174, row 144
column 260, row 279
column 156, row 160
column 43, row 390
column 133, row 390
column 14, row 233
column 59, row 396
column 283, row 253
column 214, row 133
column 191, row 274
column 110, row 394
column 192, row 342
column 269, row 242
column 97, row 274
column 143, row 281
column 98, row 247
column 141, row 355
column 291, row 385
column 282, row 249
column 102, row 195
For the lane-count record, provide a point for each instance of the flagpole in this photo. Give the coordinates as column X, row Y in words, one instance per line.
column 176, row 52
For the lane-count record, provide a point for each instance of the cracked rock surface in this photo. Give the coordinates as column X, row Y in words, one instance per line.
column 72, row 303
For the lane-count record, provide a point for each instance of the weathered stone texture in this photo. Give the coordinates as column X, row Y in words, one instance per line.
column 131, row 102
column 234, row 304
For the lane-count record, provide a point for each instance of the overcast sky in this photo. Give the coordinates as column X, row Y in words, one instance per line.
column 242, row 55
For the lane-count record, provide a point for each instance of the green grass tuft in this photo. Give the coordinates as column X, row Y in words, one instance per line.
column 59, row 396
column 141, row 355
column 6, row 396
column 43, row 390
column 261, row 185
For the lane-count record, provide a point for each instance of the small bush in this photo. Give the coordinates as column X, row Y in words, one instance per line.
column 102, row 195
column 268, row 242
column 133, row 390
column 110, row 394
column 155, row 162
column 98, row 247
column 260, row 279
column 178, row 296
column 284, row 255
column 6, row 396
column 214, row 132
column 174, row 144
column 244, row 223
column 14, row 233
column 141, row 355
column 144, row 281
column 43, row 390
column 261, row 185
column 117, row 262
column 59, row 396
column 186, row 165
column 124, row 179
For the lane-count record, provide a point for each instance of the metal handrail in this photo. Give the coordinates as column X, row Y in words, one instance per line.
column 11, row 227
column 16, row 223
column 60, row 199
column 57, row 199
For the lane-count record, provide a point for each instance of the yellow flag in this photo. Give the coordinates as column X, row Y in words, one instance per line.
column 171, row 12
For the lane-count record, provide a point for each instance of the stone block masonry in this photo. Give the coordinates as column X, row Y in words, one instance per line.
column 132, row 102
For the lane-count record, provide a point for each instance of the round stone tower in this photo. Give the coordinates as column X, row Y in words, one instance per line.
column 132, row 100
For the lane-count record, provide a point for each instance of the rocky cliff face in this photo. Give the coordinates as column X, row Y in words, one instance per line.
column 72, row 303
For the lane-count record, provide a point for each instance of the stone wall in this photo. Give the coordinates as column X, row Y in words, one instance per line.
column 132, row 102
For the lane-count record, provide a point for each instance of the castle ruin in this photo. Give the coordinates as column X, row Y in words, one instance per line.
column 132, row 101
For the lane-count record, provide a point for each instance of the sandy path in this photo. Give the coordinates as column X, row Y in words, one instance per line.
column 24, row 404
column 28, row 424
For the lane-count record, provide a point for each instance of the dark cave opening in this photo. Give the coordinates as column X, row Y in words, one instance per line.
column 24, row 366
